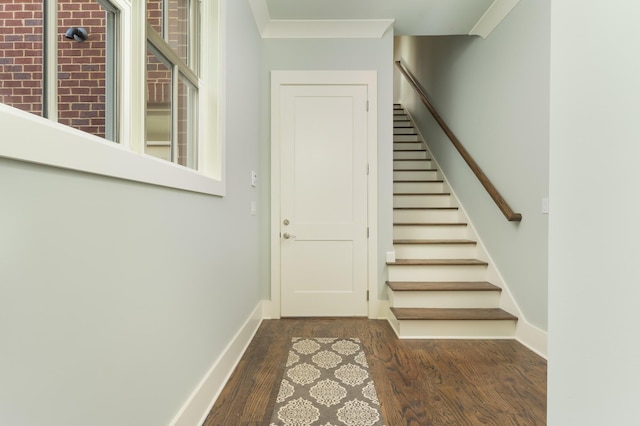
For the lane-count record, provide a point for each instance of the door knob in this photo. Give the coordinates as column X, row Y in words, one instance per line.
column 286, row 236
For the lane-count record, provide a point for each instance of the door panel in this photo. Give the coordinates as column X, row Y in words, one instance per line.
column 324, row 199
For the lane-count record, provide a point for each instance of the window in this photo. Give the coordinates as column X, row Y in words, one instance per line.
column 21, row 60
column 172, row 81
column 94, row 66
column 82, row 94
column 87, row 66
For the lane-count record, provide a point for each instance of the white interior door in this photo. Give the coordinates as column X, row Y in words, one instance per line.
column 323, row 195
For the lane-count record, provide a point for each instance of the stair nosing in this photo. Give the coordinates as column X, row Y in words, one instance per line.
column 453, row 314
column 438, row 262
column 422, row 193
column 430, row 224
column 419, row 181
column 418, row 286
column 405, row 241
column 427, row 208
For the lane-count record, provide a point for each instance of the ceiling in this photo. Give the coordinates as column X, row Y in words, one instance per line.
column 411, row 17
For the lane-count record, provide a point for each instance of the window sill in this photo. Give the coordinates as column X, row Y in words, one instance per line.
column 30, row 138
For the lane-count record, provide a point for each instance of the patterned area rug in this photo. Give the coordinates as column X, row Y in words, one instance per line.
column 326, row 383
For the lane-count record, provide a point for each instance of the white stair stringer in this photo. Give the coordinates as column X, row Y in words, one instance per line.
column 442, row 284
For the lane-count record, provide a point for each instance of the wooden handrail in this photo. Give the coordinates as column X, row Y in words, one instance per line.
column 484, row 180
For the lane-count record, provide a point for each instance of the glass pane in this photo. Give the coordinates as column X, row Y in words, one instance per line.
column 158, row 121
column 187, row 124
column 178, row 28
column 154, row 15
column 82, row 66
column 21, row 66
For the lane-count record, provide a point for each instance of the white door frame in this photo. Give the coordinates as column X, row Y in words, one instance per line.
column 370, row 79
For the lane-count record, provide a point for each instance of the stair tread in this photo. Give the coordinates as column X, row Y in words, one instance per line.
column 415, row 170
column 442, row 286
column 452, row 314
column 426, row 208
column 438, row 262
column 419, row 181
column 413, row 194
column 434, row 241
column 430, row 224
column 412, row 159
column 411, row 150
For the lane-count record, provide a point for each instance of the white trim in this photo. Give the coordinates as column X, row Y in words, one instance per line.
column 315, row 28
column 532, row 337
column 260, row 14
column 326, row 28
column 198, row 405
column 34, row 139
column 370, row 79
column 492, row 17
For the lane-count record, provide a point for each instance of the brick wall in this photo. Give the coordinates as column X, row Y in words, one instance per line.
column 21, row 54
column 82, row 67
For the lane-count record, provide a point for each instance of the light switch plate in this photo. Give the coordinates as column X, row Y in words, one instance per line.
column 254, row 179
column 545, row 206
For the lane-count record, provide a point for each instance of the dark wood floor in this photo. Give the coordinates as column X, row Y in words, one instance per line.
column 419, row 382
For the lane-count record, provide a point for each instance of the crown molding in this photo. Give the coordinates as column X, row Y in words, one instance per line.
column 492, row 17
column 316, row 28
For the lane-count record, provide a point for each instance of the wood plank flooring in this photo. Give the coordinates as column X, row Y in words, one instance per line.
column 419, row 382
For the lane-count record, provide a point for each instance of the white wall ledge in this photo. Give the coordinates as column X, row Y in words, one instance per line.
column 30, row 138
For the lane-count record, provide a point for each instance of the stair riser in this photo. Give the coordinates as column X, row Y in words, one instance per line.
column 416, row 329
column 419, row 175
column 421, row 201
column 417, row 187
column 435, row 251
column 437, row 273
column 410, row 155
column 413, row 165
column 405, row 138
column 422, row 216
column 444, row 299
column 399, row 124
column 423, row 232
column 404, row 131
column 408, row 145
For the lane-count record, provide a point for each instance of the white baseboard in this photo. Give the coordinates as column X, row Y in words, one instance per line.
column 532, row 337
column 197, row 407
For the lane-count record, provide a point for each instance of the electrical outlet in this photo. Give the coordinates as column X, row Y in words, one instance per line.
column 254, row 209
column 391, row 256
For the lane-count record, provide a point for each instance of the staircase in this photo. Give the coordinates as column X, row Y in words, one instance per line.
column 438, row 285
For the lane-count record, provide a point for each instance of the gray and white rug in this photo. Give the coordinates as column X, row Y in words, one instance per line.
column 326, row 382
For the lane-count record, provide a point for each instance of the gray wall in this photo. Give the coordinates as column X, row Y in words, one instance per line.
column 494, row 94
column 594, row 285
column 338, row 54
column 117, row 297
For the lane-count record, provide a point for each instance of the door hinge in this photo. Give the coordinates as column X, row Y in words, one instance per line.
column 367, row 106
column 367, row 295
column 367, row 168
column 367, row 232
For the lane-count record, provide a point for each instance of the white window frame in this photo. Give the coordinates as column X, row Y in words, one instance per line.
column 27, row 137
